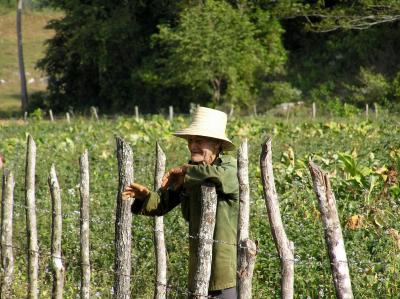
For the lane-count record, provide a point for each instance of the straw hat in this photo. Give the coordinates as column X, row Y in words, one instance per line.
column 208, row 122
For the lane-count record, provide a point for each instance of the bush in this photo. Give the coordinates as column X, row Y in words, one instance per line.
column 278, row 92
column 373, row 88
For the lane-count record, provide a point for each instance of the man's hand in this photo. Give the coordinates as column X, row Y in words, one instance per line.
column 136, row 191
column 174, row 177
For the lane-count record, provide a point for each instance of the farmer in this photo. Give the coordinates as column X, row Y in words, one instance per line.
column 182, row 185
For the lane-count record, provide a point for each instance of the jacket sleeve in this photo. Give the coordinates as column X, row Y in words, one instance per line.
column 157, row 203
column 223, row 176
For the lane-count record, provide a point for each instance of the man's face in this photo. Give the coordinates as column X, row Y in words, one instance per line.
column 203, row 149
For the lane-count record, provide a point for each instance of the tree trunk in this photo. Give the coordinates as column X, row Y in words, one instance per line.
column 216, row 84
column 24, row 92
column 333, row 232
column 31, row 223
column 123, row 222
column 7, row 257
column 56, row 236
column 247, row 249
column 206, row 234
column 284, row 246
column 84, row 226
column 159, row 239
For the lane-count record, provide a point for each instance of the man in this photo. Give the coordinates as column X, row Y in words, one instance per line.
column 182, row 185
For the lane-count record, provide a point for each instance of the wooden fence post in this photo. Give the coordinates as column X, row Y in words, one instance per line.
column 247, row 249
column 136, row 113
column 123, row 222
column 314, row 110
column 171, row 113
column 159, row 239
column 366, row 111
column 284, row 246
column 51, row 115
column 84, row 225
column 25, row 116
column 7, row 257
column 333, row 232
column 68, row 117
column 93, row 112
column 376, row 110
column 31, row 226
column 206, row 234
column 56, row 236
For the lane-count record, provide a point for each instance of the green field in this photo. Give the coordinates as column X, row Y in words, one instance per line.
column 34, row 36
column 358, row 155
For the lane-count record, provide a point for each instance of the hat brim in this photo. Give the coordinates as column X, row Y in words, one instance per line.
column 227, row 145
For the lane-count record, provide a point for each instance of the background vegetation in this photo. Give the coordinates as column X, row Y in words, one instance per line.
column 115, row 55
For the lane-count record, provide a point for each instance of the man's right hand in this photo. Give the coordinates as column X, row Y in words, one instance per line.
column 135, row 191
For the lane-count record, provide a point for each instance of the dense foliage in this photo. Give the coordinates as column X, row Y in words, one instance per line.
column 362, row 157
column 119, row 54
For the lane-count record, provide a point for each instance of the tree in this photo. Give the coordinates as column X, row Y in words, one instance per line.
column 216, row 50
column 24, row 91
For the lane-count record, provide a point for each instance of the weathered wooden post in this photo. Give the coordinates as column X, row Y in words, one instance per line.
column 56, row 236
column 206, row 234
column 93, row 112
column 7, row 257
column 333, row 232
column 25, row 116
column 159, row 239
column 376, row 110
column 255, row 110
column 137, row 113
column 171, row 113
column 51, row 115
column 123, row 222
column 84, row 225
column 284, row 246
column 314, row 110
column 366, row 111
column 31, row 223
column 247, row 249
column 68, row 117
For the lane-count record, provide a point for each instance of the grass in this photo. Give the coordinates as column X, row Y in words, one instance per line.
column 34, row 35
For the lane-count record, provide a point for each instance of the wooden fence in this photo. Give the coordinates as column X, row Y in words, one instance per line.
column 247, row 249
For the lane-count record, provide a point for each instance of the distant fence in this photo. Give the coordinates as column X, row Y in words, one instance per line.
column 247, row 249
column 283, row 110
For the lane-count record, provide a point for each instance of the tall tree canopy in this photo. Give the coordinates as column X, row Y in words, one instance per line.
column 216, row 49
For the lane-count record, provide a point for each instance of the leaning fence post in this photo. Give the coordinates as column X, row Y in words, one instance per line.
column 247, row 249
column 206, row 234
column 84, row 225
column 284, row 246
column 31, row 227
column 56, row 235
column 333, row 232
column 159, row 239
column 93, row 112
column 7, row 258
column 51, row 115
column 123, row 222
column 171, row 113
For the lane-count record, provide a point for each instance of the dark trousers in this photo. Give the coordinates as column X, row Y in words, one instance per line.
column 224, row 294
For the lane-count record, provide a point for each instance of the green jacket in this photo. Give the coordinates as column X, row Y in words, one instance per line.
column 223, row 173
